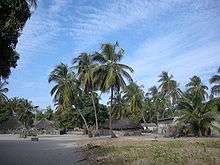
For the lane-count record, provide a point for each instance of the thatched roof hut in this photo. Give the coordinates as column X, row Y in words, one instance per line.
column 11, row 124
column 121, row 124
column 44, row 124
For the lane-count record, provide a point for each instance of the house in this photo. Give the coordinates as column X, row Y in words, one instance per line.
column 121, row 124
column 12, row 125
column 45, row 125
column 215, row 129
column 166, row 126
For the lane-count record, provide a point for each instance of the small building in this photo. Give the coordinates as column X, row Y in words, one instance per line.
column 12, row 125
column 215, row 129
column 121, row 124
column 45, row 125
column 166, row 126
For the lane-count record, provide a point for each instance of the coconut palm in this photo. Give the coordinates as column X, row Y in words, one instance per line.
column 25, row 112
column 61, row 77
column 85, row 69
column 169, row 87
column 159, row 102
column 166, row 82
column 111, row 74
column 120, row 109
column 197, row 88
column 3, row 91
column 215, row 80
column 134, row 94
column 192, row 110
column 175, row 92
column 66, row 91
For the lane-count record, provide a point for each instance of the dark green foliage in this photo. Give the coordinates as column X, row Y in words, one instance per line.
column 68, row 118
column 39, row 116
column 193, row 109
column 5, row 113
column 49, row 113
column 13, row 16
column 24, row 110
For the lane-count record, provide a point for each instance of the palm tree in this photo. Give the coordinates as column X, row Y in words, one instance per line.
column 25, row 112
column 192, row 110
column 120, row 109
column 158, row 101
column 111, row 74
column 196, row 87
column 135, row 96
column 169, row 87
column 166, row 82
column 85, row 69
column 60, row 76
column 3, row 91
column 215, row 80
column 66, row 91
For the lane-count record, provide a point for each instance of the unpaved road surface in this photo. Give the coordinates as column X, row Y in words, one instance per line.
column 51, row 150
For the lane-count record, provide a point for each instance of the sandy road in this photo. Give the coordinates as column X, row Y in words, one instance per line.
column 49, row 150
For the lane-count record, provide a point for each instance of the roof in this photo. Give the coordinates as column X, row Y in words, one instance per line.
column 11, row 124
column 148, row 124
column 166, row 120
column 121, row 124
column 44, row 124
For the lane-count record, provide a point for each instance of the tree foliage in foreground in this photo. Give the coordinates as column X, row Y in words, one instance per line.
column 13, row 16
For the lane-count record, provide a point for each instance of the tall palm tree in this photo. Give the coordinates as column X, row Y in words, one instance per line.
column 66, row 91
column 215, row 80
column 166, row 82
column 196, row 87
column 60, row 76
column 85, row 68
column 111, row 74
column 3, row 91
column 169, row 87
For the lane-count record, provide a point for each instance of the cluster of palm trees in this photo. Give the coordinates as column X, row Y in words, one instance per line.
column 100, row 72
column 23, row 108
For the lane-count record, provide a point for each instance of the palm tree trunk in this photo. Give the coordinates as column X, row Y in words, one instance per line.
column 200, row 132
column 110, row 115
column 94, row 107
column 144, row 120
column 84, row 120
column 110, row 112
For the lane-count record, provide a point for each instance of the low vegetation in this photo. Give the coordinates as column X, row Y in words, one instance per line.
column 183, row 151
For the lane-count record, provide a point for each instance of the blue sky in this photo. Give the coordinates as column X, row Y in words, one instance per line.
column 178, row 36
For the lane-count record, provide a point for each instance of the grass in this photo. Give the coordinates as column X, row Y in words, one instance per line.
column 127, row 151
